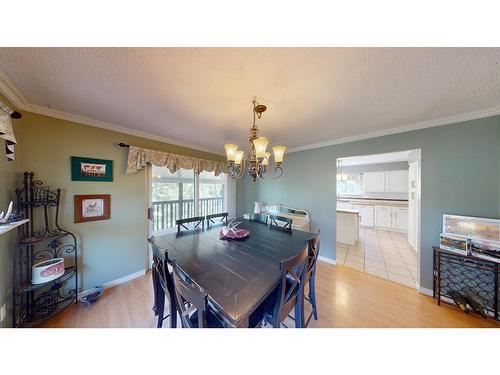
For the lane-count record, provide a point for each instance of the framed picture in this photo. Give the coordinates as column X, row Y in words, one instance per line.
column 92, row 207
column 452, row 242
column 486, row 249
column 87, row 169
column 472, row 227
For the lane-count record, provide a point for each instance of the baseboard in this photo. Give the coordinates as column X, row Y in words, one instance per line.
column 119, row 281
column 327, row 260
column 427, row 292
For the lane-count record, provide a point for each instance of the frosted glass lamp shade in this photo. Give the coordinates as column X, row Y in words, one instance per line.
column 231, row 151
column 238, row 157
column 266, row 159
column 260, row 145
column 279, row 152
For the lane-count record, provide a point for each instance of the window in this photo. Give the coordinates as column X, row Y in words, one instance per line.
column 212, row 193
column 174, row 195
column 352, row 186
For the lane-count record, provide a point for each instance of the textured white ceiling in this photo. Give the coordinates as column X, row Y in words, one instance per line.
column 203, row 96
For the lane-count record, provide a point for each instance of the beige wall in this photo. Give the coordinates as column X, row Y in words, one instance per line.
column 109, row 249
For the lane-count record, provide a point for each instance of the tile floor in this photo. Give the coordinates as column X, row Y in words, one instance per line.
column 383, row 254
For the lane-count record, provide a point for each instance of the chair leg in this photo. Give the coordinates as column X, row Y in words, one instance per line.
column 299, row 310
column 161, row 307
column 172, row 304
column 155, row 291
column 312, row 295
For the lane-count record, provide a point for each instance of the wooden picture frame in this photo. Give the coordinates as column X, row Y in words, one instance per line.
column 92, row 207
column 89, row 169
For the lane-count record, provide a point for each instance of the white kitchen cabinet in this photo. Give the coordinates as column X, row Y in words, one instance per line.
column 386, row 182
column 374, row 182
column 365, row 214
column 400, row 218
column 347, row 227
column 397, row 181
column 383, row 216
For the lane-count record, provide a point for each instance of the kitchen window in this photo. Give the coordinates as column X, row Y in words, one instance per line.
column 353, row 185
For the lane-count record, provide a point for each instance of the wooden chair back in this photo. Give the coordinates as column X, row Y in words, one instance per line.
column 216, row 219
column 195, row 220
column 160, row 266
column 280, row 222
column 258, row 218
column 190, row 299
column 312, row 256
column 293, row 271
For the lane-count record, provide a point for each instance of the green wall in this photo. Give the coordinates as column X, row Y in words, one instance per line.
column 460, row 174
column 109, row 249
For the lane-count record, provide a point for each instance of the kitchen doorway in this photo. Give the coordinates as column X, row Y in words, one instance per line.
column 378, row 215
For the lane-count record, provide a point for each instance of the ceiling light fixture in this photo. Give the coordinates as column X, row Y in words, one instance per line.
column 258, row 160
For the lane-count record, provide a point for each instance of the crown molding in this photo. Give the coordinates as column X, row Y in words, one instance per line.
column 403, row 129
column 33, row 108
column 9, row 89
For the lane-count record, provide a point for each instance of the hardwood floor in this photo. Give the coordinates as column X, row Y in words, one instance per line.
column 346, row 298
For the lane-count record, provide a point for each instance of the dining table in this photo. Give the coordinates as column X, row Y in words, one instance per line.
column 237, row 275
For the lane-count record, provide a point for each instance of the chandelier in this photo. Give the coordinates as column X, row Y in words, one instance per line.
column 257, row 162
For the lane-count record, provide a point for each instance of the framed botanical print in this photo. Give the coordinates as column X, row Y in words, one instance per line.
column 92, row 207
column 88, row 169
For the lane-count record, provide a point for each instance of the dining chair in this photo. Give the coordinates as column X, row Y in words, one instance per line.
column 286, row 296
column 280, row 222
column 192, row 304
column 216, row 219
column 310, row 278
column 197, row 220
column 163, row 284
column 258, row 218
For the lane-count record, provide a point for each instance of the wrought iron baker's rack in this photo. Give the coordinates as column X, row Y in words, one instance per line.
column 38, row 240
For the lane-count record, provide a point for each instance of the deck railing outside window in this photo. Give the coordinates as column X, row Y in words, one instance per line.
column 166, row 212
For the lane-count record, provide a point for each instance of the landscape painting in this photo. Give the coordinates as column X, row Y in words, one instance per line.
column 472, row 227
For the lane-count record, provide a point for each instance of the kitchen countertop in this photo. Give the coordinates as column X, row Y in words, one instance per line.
column 375, row 201
column 348, row 211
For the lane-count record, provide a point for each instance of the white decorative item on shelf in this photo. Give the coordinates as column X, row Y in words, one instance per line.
column 4, row 219
column 47, row 270
column 257, row 209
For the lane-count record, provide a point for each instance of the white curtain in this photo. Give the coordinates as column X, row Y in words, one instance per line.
column 7, row 134
column 139, row 157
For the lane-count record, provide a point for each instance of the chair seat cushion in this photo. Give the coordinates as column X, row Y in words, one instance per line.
column 213, row 320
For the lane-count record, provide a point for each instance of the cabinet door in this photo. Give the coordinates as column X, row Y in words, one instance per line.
column 383, row 216
column 365, row 215
column 374, row 182
column 400, row 218
column 397, row 181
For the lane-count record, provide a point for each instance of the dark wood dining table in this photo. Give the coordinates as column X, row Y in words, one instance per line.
column 236, row 275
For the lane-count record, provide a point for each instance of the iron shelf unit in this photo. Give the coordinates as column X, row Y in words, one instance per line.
column 454, row 272
column 35, row 303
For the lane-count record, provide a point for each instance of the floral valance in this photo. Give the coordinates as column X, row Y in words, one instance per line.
column 139, row 157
